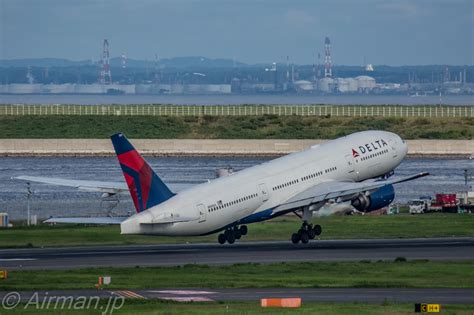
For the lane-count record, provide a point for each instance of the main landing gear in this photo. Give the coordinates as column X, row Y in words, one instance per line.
column 232, row 234
column 305, row 233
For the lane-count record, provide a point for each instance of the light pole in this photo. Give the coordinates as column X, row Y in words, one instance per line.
column 29, row 193
column 467, row 178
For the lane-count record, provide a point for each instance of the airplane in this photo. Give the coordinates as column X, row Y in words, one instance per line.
column 353, row 170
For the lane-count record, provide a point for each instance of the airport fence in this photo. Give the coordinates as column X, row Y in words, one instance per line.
column 240, row 110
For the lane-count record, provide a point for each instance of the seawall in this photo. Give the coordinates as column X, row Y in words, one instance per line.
column 198, row 147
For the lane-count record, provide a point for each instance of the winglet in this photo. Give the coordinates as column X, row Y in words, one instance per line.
column 146, row 188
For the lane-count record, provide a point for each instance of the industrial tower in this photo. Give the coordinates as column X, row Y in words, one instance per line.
column 327, row 58
column 105, row 75
column 157, row 70
column 124, row 60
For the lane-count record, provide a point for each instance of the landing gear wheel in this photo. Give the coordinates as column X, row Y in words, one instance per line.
column 221, row 238
column 306, row 233
column 295, row 238
column 237, row 234
column 243, row 230
column 304, row 237
column 317, row 229
column 231, row 238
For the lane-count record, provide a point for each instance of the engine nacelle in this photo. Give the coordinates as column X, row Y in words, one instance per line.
column 376, row 200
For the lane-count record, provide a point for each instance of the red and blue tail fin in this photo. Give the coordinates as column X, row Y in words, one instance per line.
column 146, row 188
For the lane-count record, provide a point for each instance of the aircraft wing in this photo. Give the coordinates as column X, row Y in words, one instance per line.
column 338, row 190
column 85, row 185
column 88, row 220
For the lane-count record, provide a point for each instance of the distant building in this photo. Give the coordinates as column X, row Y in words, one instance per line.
column 346, row 85
column 361, row 84
column 365, row 83
column 303, row 86
column 115, row 88
column 326, row 85
column 369, row 68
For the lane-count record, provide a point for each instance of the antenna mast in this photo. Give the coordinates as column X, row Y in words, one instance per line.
column 105, row 75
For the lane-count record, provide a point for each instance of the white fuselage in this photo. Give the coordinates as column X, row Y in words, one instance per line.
column 252, row 194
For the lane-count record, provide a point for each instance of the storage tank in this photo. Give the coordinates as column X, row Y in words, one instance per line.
column 303, row 85
column 365, row 82
column 326, row 84
column 342, row 85
column 352, row 84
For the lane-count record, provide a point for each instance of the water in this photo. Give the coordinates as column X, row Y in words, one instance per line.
column 239, row 99
column 178, row 172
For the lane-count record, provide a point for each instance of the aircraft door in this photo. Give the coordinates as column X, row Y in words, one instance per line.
column 263, row 192
column 202, row 212
column 351, row 167
column 350, row 163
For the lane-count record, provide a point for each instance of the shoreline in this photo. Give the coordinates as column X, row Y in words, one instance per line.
column 209, row 147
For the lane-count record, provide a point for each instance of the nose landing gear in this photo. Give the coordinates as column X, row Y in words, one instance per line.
column 232, row 234
column 305, row 233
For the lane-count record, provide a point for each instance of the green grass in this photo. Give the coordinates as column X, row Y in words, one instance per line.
column 334, row 227
column 380, row 274
column 228, row 127
column 250, row 308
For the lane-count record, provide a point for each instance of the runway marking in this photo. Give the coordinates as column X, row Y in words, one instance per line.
column 129, row 294
column 182, row 292
column 187, row 298
column 18, row 259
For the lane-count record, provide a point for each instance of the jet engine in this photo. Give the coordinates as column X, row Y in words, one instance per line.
column 376, row 200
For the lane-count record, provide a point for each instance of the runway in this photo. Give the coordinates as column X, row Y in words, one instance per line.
column 367, row 295
column 255, row 252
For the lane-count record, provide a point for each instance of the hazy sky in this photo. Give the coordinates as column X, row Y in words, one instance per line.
column 385, row 32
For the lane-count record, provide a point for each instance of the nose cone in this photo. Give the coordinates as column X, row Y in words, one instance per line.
column 404, row 146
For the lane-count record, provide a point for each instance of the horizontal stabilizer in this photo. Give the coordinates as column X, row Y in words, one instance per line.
column 170, row 219
column 88, row 220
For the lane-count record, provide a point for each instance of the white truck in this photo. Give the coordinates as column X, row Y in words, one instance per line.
column 466, row 201
column 418, row 206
